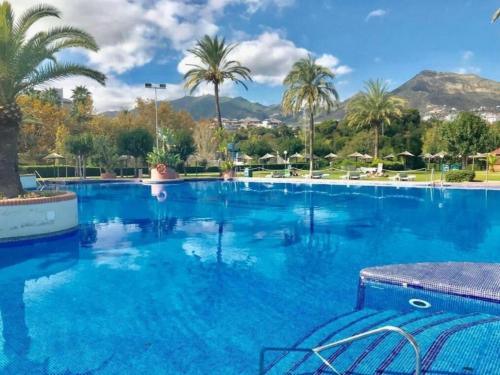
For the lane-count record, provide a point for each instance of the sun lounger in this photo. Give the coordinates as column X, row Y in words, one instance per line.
column 354, row 175
column 316, row 175
column 402, row 176
column 276, row 174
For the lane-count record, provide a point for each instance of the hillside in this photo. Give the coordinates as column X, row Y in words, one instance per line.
column 432, row 93
column 464, row 92
column 235, row 108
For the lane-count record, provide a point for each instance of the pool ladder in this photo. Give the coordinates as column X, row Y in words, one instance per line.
column 40, row 182
column 317, row 350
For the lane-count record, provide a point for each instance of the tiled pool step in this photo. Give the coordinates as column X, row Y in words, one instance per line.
column 450, row 343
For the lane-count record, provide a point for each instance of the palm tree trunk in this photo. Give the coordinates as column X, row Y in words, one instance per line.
column 375, row 151
column 311, row 143
column 10, row 183
column 217, row 105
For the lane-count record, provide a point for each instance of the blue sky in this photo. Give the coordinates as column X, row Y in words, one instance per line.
column 358, row 39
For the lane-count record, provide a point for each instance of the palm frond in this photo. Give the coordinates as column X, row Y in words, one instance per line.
column 496, row 15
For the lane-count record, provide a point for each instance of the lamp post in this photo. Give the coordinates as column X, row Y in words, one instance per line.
column 286, row 160
column 156, row 87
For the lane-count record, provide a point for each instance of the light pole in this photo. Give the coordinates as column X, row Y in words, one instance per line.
column 156, row 87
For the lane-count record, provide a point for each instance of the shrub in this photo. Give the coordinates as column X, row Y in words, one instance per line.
column 460, row 176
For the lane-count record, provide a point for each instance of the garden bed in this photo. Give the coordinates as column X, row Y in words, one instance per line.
column 35, row 214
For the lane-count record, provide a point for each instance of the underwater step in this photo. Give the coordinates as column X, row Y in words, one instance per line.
column 448, row 342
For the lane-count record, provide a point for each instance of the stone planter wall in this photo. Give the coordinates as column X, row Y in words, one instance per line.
column 32, row 217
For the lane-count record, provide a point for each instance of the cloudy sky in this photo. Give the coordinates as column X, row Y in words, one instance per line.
column 146, row 41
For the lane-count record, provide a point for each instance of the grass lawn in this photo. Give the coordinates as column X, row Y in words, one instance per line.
column 421, row 176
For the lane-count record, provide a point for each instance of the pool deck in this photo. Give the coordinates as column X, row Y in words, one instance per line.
column 399, row 184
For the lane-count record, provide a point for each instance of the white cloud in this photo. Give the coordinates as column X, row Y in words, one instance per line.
column 128, row 31
column 467, row 55
column 376, row 13
column 270, row 57
column 467, row 65
column 117, row 95
column 333, row 62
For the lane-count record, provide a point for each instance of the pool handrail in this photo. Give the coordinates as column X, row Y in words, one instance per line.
column 413, row 342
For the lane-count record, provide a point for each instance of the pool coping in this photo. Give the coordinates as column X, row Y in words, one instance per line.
column 396, row 184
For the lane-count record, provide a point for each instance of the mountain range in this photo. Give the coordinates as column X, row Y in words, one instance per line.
column 430, row 92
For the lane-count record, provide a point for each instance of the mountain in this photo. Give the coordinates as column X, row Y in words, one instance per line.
column 433, row 93
column 234, row 108
column 464, row 92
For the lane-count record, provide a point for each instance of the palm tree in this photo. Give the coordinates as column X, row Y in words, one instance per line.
column 496, row 15
column 215, row 67
column 80, row 94
column 82, row 106
column 309, row 87
column 25, row 63
column 374, row 108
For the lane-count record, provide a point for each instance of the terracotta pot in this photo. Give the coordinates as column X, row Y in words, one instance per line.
column 108, row 176
column 169, row 174
column 228, row 175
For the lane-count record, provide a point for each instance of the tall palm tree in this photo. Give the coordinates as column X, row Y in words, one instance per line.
column 309, row 87
column 496, row 15
column 215, row 68
column 82, row 106
column 25, row 63
column 375, row 108
column 80, row 94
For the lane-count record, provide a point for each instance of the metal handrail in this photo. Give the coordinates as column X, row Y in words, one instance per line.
column 40, row 180
column 347, row 340
column 376, row 331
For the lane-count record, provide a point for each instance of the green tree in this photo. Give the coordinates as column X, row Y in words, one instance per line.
column 184, row 144
column 81, row 146
column 27, row 60
column 137, row 143
column 51, row 96
column 468, row 134
column 215, row 68
column 309, row 87
column 374, row 108
column 81, row 109
column 105, row 153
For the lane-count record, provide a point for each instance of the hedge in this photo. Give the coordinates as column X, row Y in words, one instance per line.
column 47, row 171
column 460, row 176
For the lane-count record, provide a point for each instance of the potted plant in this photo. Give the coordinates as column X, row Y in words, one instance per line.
column 162, row 162
column 106, row 156
column 227, row 168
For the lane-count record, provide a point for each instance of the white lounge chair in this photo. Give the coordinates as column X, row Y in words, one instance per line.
column 354, row 175
column 403, row 176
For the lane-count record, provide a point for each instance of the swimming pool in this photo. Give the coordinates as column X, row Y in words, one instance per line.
column 195, row 278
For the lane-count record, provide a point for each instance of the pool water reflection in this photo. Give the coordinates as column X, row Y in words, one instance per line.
column 196, row 277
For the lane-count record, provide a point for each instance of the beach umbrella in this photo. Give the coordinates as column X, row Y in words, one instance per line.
column 267, row 157
column 367, row 157
column 404, row 155
column 355, row 155
column 477, row 156
column 428, row 157
column 55, row 156
column 390, row 156
column 441, row 155
column 331, row 156
column 246, row 157
column 314, row 157
column 297, row 156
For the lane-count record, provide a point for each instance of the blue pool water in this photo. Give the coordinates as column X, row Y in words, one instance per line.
column 194, row 278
